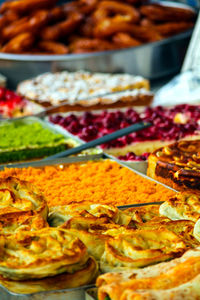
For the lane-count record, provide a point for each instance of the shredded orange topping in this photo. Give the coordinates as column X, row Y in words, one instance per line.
column 104, row 182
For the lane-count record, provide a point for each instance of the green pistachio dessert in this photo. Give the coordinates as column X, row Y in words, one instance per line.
column 25, row 139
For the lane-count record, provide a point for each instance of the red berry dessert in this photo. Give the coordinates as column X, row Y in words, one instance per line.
column 13, row 105
column 169, row 125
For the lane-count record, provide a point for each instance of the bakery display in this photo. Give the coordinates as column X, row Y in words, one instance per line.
column 87, row 26
column 83, row 90
column 169, row 124
column 103, row 182
column 14, row 106
column 27, row 139
column 74, row 242
column 177, row 165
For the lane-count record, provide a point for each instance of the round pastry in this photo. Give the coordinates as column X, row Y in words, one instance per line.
column 141, row 248
column 39, row 254
column 20, row 197
column 177, row 165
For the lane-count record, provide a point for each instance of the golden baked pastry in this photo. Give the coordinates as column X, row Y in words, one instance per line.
column 183, row 206
column 84, row 276
column 17, row 196
column 83, row 216
column 177, row 165
column 95, row 242
column 12, row 222
column 143, row 213
column 141, row 248
column 39, row 254
column 175, row 280
column 184, row 229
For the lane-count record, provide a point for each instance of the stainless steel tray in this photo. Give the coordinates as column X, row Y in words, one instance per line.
column 69, row 294
column 91, row 294
column 66, row 294
column 153, row 60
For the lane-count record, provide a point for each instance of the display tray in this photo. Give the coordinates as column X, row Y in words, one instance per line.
column 8, row 292
column 91, row 294
column 140, row 166
column 152, row 60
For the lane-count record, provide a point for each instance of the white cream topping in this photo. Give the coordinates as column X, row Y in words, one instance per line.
column 72, row 87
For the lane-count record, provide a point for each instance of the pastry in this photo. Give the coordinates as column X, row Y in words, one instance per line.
column 174, row 280
column 39, row 254
column 177, row 165
column 83, row 90
column 141, row 248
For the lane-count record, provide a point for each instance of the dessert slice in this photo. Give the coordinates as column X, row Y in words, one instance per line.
column 83, row 90
column 13, row 106
column 28, row 139
column 168, row 125
column 177, row 165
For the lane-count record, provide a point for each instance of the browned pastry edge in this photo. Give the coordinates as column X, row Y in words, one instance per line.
column 140, row 100
column 165, row 172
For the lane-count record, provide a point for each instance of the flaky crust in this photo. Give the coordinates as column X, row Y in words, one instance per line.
column 17, row 196
column 39, row 254
column 141, row 248
column 143, row 213
column 84, row 216
column 175, row 280
column 184, row 206
column 84, row 276
column 177, row 165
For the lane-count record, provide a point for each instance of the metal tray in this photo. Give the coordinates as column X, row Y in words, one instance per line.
column 65, row 294
column 153, row 60
column 68, row 294
column 91, row 294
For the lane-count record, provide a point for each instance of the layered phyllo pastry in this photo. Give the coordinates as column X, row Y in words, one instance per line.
column 26, row 221
column 14, row 106
column 88, row 214
column 177, row 165
column 22, row 206
column 83, row 90
column 140, row 248
column 39, row 254
column 183, row 206
column 18, row 196
column 173, row 280
column 144, row 237
column 168, row 125
column 27, row 139
column 103, row 182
